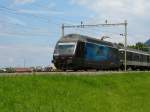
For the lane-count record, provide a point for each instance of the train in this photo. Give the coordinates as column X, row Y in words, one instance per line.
column 80, row 52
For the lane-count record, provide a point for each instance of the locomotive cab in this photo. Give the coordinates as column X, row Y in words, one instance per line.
column 67, row 55
column 63, row 48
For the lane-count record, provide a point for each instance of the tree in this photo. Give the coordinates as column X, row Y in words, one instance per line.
column 120, row 45
column 140, row 46
column 10, row 70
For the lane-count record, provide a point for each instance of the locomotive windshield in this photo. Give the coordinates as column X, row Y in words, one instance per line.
column 65, row 49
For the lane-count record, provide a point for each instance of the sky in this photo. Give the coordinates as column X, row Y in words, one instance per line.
column 29, row 29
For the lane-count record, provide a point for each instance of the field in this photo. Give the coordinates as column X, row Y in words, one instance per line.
column 69, row 93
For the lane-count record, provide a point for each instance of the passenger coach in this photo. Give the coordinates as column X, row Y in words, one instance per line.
column 135, row 59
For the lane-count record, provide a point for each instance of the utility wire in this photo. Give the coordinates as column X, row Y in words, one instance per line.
column 16, row 12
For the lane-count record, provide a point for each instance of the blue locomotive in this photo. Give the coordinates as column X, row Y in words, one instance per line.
column 79, row 52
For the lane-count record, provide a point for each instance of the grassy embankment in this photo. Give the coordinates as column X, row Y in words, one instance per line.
column 106, row 93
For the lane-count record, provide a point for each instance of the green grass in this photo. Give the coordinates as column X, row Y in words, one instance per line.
column 58, row 93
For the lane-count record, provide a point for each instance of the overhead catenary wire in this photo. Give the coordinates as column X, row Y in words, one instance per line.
column 25, row 27
column 56, row 21
column 16, row 12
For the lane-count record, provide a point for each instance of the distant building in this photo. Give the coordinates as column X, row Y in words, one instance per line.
column 22, row 70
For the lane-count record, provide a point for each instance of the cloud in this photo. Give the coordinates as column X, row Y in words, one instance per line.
column 35, row 12
column 135, row 11
column 13, row 27
column 23, row 1
column 33, row 33
column 10, row 60
column 30, row 48
column 14, row 55
column 116, row 7
column 14, row 20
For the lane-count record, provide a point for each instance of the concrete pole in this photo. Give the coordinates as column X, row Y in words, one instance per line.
column 24, row 62
column 62, row 30
column 125, row 43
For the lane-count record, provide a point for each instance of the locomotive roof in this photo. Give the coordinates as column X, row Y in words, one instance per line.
column 135, row 51
column 78, row 37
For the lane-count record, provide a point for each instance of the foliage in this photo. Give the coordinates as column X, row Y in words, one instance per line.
column 120, row 45
column 10, row 70
column 140, row 46
column 2, row 71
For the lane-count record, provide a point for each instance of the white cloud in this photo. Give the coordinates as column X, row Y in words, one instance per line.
column 27, row 48
column 10, row 60
column 25, row 11
column 23, row 1
column 15, row 21
column 14, row 55
column 33, row 33
column 116, row 7
column 135, row 11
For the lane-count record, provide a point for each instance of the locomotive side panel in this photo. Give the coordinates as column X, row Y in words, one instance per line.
column 101, row 56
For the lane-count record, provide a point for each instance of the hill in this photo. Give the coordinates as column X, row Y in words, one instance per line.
column 147, row 42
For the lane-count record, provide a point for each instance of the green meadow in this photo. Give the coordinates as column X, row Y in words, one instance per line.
column 124, row 92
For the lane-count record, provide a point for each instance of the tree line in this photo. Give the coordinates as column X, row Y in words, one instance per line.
column 139, row 46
